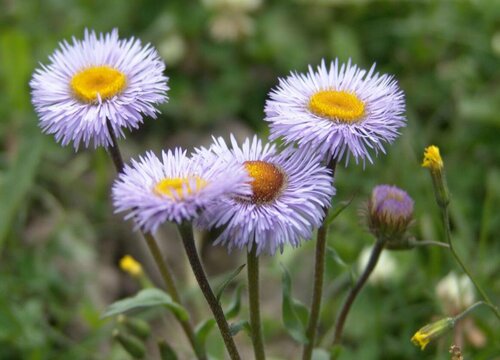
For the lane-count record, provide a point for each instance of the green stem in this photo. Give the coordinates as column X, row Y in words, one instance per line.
column 372, row 262
column 186, row 232
column 447, row 229
column 470, row 309
column 319, row 270
column 429, row 243
column 253, row 300
column 114, row 150
column 165, row 271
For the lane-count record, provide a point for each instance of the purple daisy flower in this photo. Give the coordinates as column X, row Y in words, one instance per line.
column 290, row 191
column 98, row 78
column 338, row 111
column 390, row 211
column 174, row 188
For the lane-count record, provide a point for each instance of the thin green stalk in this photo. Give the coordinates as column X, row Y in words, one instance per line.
column 372, row 262
column 254, row 302
column 319, row 271
column 470, row 309
column 165, row 271
column 429, row 243
column 447, row 230
column 186, row 232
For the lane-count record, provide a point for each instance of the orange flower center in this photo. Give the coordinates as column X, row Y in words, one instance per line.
column 267, row 180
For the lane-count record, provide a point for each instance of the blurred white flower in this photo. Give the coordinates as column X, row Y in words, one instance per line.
column 242, row 5
column 455, row 293
column 172, row 49
column 495, row 43
column 385, row 269
column 231, row 26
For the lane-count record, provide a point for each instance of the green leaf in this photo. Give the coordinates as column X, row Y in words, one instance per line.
column 238, row 326
column 202, row 330
column 302, row 311
column 166, row 351
column 335, row 257
column 19, row 179
column 234, row 307
column 228, row 281
column 335, row 351
column 338, row 210
column 131, row 344
column 290, row 313
column 144, row 299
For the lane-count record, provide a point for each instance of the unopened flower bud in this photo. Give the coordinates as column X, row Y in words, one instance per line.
column 434, row 162
column 131, row 344
column 137, row 327
column 131, row 266
column 390, row 212
column 432, row 331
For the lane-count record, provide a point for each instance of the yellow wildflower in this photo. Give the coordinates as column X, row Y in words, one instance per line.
column 432, row 158
column 432, row 331
column 131, row 266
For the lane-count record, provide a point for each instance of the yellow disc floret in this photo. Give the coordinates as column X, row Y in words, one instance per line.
column 337, row 105
column 97, row 80
column 267, row 180
column 177, row 188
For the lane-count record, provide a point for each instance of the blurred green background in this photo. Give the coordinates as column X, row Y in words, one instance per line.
column 60, row 243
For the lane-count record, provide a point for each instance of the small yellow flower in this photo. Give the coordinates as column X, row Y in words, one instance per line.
column 432, row 331
column 432, row 158
column 131, row 266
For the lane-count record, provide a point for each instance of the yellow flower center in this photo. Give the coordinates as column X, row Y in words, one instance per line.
column 267, row 180
column 337, row 105
column 98, row 80
column 176, row 188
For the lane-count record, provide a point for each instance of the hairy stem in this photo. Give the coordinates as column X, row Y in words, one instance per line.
column 319, row 270
column 254, row 302
column 342, row 316
column 186, row 232
column 165, row 271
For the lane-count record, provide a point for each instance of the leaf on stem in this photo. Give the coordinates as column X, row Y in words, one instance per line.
column 202, row 330
column 294, row 313
column 240, row 325
column 234, row 307
column 341, row 206
column 228, row 281
column 144, row 299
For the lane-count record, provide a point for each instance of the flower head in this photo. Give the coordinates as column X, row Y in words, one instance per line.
column 432, row 158
column 174, row 188
column 390, row 211
column 340, row 110
column 98, row 79
column 432, row 331
column 456, row 293
column 290, row 191
column 131, row 266
column 434, row 162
